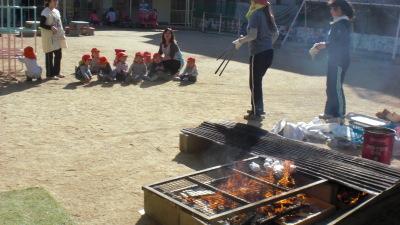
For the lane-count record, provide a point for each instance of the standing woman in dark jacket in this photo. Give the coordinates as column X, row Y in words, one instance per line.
column 53, row 38
column 338, row 46
column 262, row 32
column 172, row 55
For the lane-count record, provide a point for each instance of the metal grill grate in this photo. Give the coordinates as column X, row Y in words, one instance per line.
column 227, row 190
column 358, row 173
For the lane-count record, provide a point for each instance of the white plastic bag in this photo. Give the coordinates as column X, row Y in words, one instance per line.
column 293, row 131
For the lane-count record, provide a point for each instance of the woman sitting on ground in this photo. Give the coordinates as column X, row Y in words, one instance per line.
column 172, row 55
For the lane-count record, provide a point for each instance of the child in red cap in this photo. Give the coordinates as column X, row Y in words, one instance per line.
column 33, row 70
column 190, row 73
column 156, row 69
column 105, row 70
column 116, row 55
column 138, row 69
column 147, row 58
column 121, row 67
column 94, row 65
column 82, row 72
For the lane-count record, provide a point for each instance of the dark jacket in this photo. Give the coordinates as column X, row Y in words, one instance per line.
column 339, row 43
column 173, row 50
column 106, row 70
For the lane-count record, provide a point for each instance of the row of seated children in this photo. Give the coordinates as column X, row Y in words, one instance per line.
column 144, row 67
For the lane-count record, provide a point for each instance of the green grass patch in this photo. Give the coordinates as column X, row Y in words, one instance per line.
column 32, row 206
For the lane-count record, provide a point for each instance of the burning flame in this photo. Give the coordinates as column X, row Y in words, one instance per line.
column 287, row 179
column 217, row 201
column 282, row 205
column 252, row 190
column 350, row 198
column 247, row 188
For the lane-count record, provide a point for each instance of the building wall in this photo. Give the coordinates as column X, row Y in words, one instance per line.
column 164, row 10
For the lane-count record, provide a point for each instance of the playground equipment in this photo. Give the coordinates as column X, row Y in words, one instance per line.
column 12, row 34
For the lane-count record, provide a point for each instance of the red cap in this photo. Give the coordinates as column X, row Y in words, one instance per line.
column 156, row 55
column 139, row 54
column 121, row 55
column 94, row 50
column 119, row 50
column 86, row 57
column 29, row 53
column 103, row 60
column 191, row 59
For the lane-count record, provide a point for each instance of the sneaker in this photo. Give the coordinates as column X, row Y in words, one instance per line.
column 325, row 117
column 60, row 76
column 53, row 78
column 252, row 117
column 28, row 79
column 251, row 112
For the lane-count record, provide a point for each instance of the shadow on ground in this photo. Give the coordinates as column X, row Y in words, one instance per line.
column 10, row 88
column 372, row 72
column 213, row 156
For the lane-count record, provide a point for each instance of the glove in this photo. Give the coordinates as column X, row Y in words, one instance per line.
column 237, row 44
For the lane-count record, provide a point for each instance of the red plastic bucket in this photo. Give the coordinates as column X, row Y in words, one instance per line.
column 378, row 144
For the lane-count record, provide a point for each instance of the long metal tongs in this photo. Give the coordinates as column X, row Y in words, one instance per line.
column 227, row 55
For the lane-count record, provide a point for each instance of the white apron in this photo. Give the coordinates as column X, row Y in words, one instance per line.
column 50, row 41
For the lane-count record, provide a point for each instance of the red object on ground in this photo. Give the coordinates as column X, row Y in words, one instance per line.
column 378, row 144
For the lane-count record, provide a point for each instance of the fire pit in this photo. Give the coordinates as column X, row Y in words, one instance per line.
column 276, row 192
column 281, row 182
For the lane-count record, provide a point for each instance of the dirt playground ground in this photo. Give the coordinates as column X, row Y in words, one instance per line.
column 93, row 147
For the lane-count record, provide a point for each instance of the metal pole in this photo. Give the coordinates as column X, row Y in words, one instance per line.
column 305, row 14
column 21, row 17
column 8, row 15
column 220, row 23
column 14, row 16
column 130, row 9
column 9, row 53
column 2, row 15
column 64, row 9
column 191, row 14
column 15, row 54
column 293, row 23
column 396, row 43
column 239, row 26
column 35, row 27
column 204, row 21
column 186, row 9
column 2, row 51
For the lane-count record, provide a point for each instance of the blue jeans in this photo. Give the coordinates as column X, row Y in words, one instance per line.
column 336, row 101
